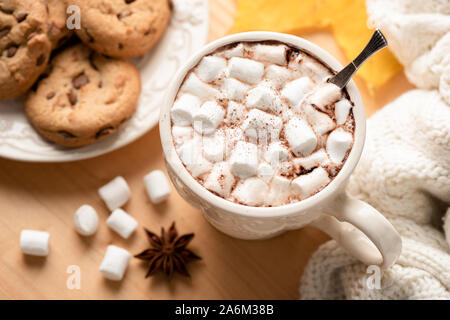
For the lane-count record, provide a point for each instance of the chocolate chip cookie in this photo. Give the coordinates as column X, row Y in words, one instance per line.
column 122, row 28
column 57, row 29
column 24, row 45
column 85, row 97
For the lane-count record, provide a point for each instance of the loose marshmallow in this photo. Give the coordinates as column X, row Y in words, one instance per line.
column 300, row 136
column 208, row 117
column 115, row 263
column 191, row 155
column 280, row 190
column 246, row 70
column 310, row 183
column 244, row 159
column 264, row 98
column 86, row 220
column 320, row 121
column 184, row 108
column 324, row 95
column 276, row 153
column 220, row 180
column 277, row 75
column 316, row 159
column 211, row 68
column 270, row 53
column 295, row 91
column 157, row 186
column 214, row 147
column 122, row 223
column 341, row 111
column 251, row 191
column 265, row 171
column 234, row 89
column 198, row 88
column 115, row 193
column 181, row 134
column 262, row 124
column 237, row 51
column 338, row 143
column 34, row 243
column 235, row 112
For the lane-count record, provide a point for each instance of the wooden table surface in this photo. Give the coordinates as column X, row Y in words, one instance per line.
column 45, row 197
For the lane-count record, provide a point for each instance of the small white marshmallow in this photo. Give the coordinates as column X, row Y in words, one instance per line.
column 214, row 146
column 157, row 186
column 320, row 121
column 276, row 153
column 208, row 117
column 86, row 220
column 211, row 68
column 341, row 110
column 191, row 155
column 338, row 143
column 115, row 193
column 235, row 112
column 316, row 159
column 244, row 159
column 324, row 95
column 115, row 263
column 251, row 191
column 270, row 53
column 300, row 136
column 308, row 184
column 236, row 51
column 279, row 191
column 265, row 171
column 122, row 223
column 295, row 91
column 260, row 124
column 220, row 180
column 246, row 70
column 234, row 89
column 34, row 243
column 277, row 75
column 181, row 134
column 264, row 98
column 198, row 88
column 184, row 109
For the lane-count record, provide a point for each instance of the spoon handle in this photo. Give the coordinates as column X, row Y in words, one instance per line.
column 376, row 43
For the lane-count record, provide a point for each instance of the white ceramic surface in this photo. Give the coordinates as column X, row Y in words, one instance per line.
column 357, row 226
column 186, row 33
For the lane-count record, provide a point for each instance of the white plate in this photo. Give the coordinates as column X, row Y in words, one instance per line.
column 187, row 32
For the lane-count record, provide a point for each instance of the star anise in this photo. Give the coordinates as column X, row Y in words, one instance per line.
column 168, row 252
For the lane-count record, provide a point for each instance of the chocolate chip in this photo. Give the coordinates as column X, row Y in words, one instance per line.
column 123, row 14
column 104, row 132
column 100, row 84
column 148, row 32
column 73, row 99
column 21, row 16
column 120, row 46
column 129, row 1
column 66, row 134
column 40, row 60
column 91, row 60
column 50, row 95
column 4, row 32
column 7, row 11
column 11, row 51
column 80, row 80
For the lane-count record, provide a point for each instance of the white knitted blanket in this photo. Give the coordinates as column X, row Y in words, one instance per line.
column 405, row 168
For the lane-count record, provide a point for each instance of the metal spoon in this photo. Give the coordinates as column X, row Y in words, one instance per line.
column 376, row 43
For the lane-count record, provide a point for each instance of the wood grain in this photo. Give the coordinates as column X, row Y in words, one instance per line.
column 45, row 197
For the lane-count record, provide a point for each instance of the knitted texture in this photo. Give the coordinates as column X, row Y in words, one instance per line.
column 404, row 171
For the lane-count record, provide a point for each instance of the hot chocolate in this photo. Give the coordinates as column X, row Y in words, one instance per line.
column 258, row 124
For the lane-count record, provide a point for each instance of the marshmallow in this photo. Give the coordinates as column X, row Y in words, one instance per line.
column 265, row 171
column 244, row 159
column 198, row 88
column 295, row 91
column 157, row 186
column 314, row 70
column 316, row 159
column 122, row 223
column 300, row 136
column 114, row 263
column 246, row 70
column 115, row 193
column 234, row 89
column 324, row 95
column 220, row 180
column 308, row 184
column 264, row 98
column 208, row 117
column 191, row 155
column 251, row 191
column 279, row 191
column 320, row 121
column 184, row 109
column 235, row 112
column 341, row 110
column 270, row 53
column 338, row 143
column 211, row 68
column 277, row 75
column 34, row 243
column 214, row 147
column 276, row 153
column 86, row 220
column 262, row 124
column 236, row 51
column 181, row 134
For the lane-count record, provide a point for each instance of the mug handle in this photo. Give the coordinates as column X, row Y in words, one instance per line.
column 363, row 231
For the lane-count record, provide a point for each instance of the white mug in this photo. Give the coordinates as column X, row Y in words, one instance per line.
column 359, row 228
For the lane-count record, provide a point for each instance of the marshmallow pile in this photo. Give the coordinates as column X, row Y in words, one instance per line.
column 258, row 124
